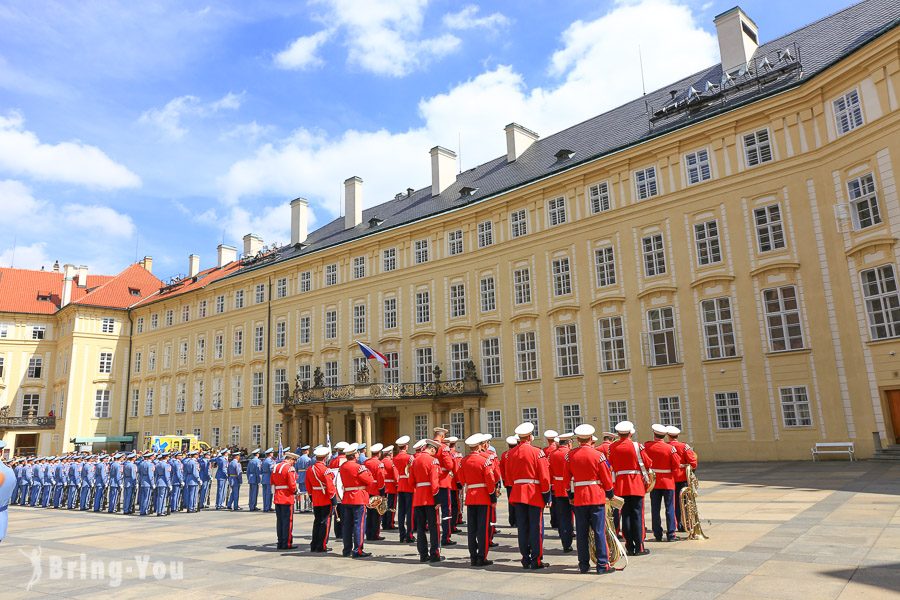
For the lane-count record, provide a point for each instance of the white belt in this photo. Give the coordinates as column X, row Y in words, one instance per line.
column 520, row 481
column 424, row 484
column 321, row 489
column 662, row 470
column 476, row 485
column 628, row 473
column 282, row 487
column 390, row 481
column 557, row 479
column 354, row 488
column 404, row 477
column 683, row 466
column 584, row 483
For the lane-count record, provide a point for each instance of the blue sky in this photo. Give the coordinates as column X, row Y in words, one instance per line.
column 164, row 128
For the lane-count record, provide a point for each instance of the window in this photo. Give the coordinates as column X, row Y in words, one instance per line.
column 618, row 412
column 277, row 430
column 420, row 254
column 571, row 416
column 697, row 165
column 199, row 390
column 645, row 183
column 485, row 234
column 488, row 298
column 391, row 371
column 107, row 325
column 201, row 309
column 235, row 435
column 457, row 300
column 359, row 363
column 259, row 338
column 154, row 321
column 260, row 293
column 654, row 255
column 185, row 313
column 217, row 391
column 661, row 337
column 220, row 304
column 706, row 236
column 305, row 281
column 490, row 361
column 237, row 391
column 494, row 423
column 201, row 349
column 305, row 329
column 562, row 279
column 331, row 372
column 718, row 328
column 256, row 389
column 556, row 211
column 170, row 317
column 140, row 327
column 423, row 307
column 864, row 202
column 2, row 364
column 180, row 396
column 164, row 400
column 795, row 406
column 882, row 302
column 239, row 299
column 135, row 401
column 359, row 267
column 728, row 410
column 167, row 356
column 459, row 356
column 420, row 426
column 138, row 359
column 359, row 319
column 31, row 404
column 522, row 286
column 567, row 350
column 458, row 424
column 518, row 223
column 390, row 313
column 218, row 346
column 196, row 432
column 669, row 410
column 783, row 318
column 605, row 266
column 148, row 402
column 526, row 356
column 215, row 436
column 612, row 344
column 304, row 372
column 389, row 259
column 757, row 148
column 598, row 194
column 280, row 334
column 530, row 415
column 182, row 353
column 769, row 231
column 38, row 332
column 105, row 362
column 255, row 435
column 454, row 242
column 848, row 112
column 101, row 404
column 281, row 287
column 424, row 365
column 36, row 366
column 331, row 274
column 281, row 386
column 238, row 346
column 330, row 324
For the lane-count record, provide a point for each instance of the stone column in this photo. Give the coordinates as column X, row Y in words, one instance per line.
column 368, row 417
column 288, row 421
column 359, row 427
column 311, row 430
column 472, row 423
column 321, row 430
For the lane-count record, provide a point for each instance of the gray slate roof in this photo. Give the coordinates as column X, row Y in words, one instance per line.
column 820, row 44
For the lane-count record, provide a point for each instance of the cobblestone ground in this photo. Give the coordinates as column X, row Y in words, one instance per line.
column 777, row 530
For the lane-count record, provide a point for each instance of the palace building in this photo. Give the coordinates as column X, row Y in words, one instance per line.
column 720, row 254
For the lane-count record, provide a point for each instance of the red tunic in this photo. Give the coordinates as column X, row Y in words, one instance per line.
column 501, row 466
column 320, row 484
column 336, row 462
column 665, row 463
column 284, row 483
column 551, row 448
column 401, row 464
column 622, row 457
column 358, row 483
column 424, row 477
column 528, row 472
column 390, row 475
column 377, row 470
column 589, row 474
column 447, row 464
column 686, row 456
column 604, row 448
column 477, row 473
column 558, row 473
column 457, row 462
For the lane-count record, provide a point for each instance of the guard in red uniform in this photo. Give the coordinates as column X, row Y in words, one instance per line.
column 552, row 438
column 404, row 490
column 334, row 465
column 478, row 475
column 455, row 485
column 376, row 468
column 284, row 483
column 561, row 506
column 630, row 465
column 592, row 486
column 686, row 458
column 424, row 475
column 390, row 488
column 529, row 473
column 447, row 464
column 490, row 452
column 507, row 484
column 665, row 461
column 358, row 486
column 320, row 485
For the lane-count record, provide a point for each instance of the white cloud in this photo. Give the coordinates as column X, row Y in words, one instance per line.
column 250, row 132
column 168, row 118
column 468, row 18
column 22, row 153
column 302, row 53
column 32, row 256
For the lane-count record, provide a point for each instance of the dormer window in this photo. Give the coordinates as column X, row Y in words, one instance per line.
column 466, row 191
column 134, row 291
column 564, row 154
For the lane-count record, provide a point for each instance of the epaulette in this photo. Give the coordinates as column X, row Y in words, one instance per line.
column 674, row 450
column 361, row 469
column 602, row 457
column 687, row 447
column 541, row 454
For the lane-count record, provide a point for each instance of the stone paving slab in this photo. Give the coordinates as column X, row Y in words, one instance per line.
column 777, row 530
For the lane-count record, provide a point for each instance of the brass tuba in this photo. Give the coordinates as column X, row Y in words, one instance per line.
column 378, row 503
column 687, row 502
column 614, row 547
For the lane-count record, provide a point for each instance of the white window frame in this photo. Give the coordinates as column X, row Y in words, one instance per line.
column 330, row 329
column 389, row 315
column 331, row 274
column 485, row 234
column 662, row 341
column 728, row 411
column 863, row 198
column 101, row 404
column 494, row 421
column 848, row 112
column 706, row 239
column 459, row 356
column 697, row 166
column 305, row 329
column 359, row 267
column 796, row 408
column 758, row 147
column 491, row 373
column 423, row 307
column 107, row 325
column 421, row 252
column 388, row 259
column 359, row 319
column 280, row 333
column 488, row 293
column 769, row 228
column 568, row 362
column 522, row 286
column 653, row 249
column 257, row 388
column 305, row 282
column 599, row 197
column 457, row 300
column 557, row 213
column 106, row 360
column 611, row 335
column 669, row 410
column 718, row 328
column 332, row 373
column 617, row 410
column 571, row 416
column 455, row 242
column 880, row 291
column 562, row 276
column 645, row 183
column 605, row 266
column 424, row 364
column 518, row 223
column 526, row 356
column 784, row 324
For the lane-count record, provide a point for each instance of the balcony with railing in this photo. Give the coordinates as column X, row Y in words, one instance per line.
column 28, row 420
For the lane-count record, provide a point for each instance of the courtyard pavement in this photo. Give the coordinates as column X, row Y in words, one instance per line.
column 777, row 530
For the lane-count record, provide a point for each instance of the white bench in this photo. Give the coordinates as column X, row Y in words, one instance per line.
column 833, row 448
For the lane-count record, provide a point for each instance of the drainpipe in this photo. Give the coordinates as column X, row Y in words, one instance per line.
column 269, row 380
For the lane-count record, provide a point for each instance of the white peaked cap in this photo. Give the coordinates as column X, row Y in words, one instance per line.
column 672, row 430
column 660, row 429
column 452, row 439
column 549, row 434
column 376, row 447
column 402, row 440
column 512, row 440
column 584, row 430
column 340, row 445
column 322, row 451
column 526, row 428
column 625, row 427
column 474, row 439
column 387, row 449
column 418, row 444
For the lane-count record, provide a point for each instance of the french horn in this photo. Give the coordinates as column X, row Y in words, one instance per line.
column 687, row 502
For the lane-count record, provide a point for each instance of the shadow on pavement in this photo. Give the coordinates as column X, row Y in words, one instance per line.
column 885, row 576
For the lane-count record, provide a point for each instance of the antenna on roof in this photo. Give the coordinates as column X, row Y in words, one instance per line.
column 641, row 60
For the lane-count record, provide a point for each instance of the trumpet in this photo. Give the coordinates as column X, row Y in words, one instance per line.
column 687, row 502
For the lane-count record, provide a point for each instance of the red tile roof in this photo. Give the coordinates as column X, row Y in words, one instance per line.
column 189, row 284
column 21, row 290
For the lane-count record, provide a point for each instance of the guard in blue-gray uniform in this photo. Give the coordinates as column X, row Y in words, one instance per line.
column 87, row 482
column 265, row 479
column 101, row 481
column 302, row 465
column 147, row 481
column 49, row 480
column 37, row 481
column 221, row 464
column 116, row 477
column 74, row 483
column 7, row 488
column 205, row 481
column 25, row 491
column 177, row 482
column 17, row 471
column 163, row 477
column 254, row 468
column 191, row 481
column 235, row 479
column 129, row 483
column 59, row 475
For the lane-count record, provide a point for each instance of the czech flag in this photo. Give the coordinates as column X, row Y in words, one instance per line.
column 372, row 354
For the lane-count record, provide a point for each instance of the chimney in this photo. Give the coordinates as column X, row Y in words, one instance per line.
column 227, row 254
column 252, row 244
column 738, row 38
column 68, row 276
column 147, row 263
column 443, row 169
column 193, row 265
column 82, row 276
column 352, row 202
column 518, row 140
column 56, row 266
column 299, row 220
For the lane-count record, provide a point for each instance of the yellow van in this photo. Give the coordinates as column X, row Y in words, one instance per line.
column 169, row 443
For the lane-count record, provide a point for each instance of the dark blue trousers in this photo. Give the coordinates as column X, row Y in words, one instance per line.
column 679, row 521
column 530, row 523
column 632, row 514
column 404, row 515
column 443, row 500
column 593, row 517
column 667, row 498
column 427, row 516
column 354, row 528
column 479, row 525
column 562, row 508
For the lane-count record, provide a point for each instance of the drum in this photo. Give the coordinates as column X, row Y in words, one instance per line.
column 338, row 484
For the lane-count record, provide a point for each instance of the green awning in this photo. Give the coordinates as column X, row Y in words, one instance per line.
column 100, row 440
